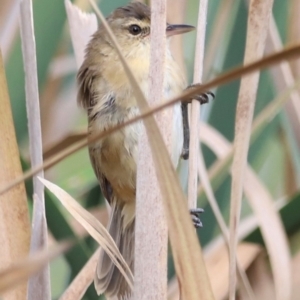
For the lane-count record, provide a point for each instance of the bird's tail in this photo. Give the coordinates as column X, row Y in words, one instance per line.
column 108, row 278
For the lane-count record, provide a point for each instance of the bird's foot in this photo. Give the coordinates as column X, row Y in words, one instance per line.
column 202, row 98
column 195, row 212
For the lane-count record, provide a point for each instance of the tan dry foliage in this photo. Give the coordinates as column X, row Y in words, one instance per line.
column 262, row 204
column 82, row 281
column 257, row 28
column 38, row 285
column 288, row 53
column 151, row 230
column 21, row 270
column 217, row 265
column 93, row 227
column 14, row 217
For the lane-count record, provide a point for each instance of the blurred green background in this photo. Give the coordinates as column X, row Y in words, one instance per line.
column 274, row 155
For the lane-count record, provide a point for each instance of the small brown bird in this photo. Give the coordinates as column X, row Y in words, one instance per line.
column 105, row 92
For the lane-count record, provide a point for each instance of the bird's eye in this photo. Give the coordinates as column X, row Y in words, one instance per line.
column 135, row 29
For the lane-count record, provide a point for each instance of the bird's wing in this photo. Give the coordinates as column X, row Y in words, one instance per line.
column 85, row 79
column 103, row 182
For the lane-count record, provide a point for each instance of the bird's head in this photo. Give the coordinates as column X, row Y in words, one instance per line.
column 131, row 26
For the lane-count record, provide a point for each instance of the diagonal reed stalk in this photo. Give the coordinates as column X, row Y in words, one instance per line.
column 289, row 53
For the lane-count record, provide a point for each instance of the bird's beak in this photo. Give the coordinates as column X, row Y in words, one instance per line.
column 173, row 29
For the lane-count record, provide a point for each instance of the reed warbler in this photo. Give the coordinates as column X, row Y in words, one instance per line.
column 106, row 94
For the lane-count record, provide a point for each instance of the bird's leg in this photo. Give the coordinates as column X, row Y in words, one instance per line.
column 186, row 130
column 195, row 212
column 202, row 98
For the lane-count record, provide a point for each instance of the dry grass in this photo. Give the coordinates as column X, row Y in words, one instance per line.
column 247, row 177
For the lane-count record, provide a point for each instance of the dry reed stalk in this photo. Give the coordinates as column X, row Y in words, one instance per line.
column 258, row 24
column 283, row 77
column 9, row 13
column 151, row 232
column 289, row 53
column 217, row 264
column 196, row 162
column 14, row 217
column 22, row 269
column 261, row 279
column 268, row 219
column 82, row 281
column 195, row 107
column 202, row 172
column 175, row 15
column 265, row 212
column 260, row 122
column 293, row 31
column 218, row 42
column 93, row 227
column 296, row 276
column 39, row 285
column 79, row 20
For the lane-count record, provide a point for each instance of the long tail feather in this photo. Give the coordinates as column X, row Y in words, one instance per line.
column 108, row 279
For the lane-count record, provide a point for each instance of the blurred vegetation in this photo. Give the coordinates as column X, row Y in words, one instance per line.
column 273, row 155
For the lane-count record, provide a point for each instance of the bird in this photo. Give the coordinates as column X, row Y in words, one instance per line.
column 107, row 96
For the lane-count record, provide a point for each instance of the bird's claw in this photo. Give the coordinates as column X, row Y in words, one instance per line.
column 195, row 212
column 202, row 98
column 185, row 153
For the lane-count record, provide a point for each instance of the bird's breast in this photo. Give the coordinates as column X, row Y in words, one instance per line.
column 117, row 152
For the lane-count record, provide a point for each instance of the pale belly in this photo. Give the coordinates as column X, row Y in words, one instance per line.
column 117, row 160
column 117, row 153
